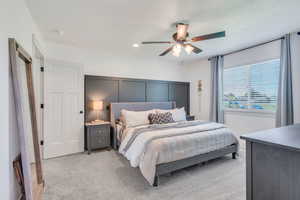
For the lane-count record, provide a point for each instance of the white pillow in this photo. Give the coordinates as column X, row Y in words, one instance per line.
column 177, row 114
column 135, row 118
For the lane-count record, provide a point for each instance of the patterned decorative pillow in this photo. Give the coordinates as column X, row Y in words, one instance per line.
column 160, row 118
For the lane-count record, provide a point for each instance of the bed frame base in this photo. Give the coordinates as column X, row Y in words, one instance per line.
column 167, row 168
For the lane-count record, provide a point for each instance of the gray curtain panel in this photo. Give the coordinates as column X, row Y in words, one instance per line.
column 216, row 104
column 285, row 110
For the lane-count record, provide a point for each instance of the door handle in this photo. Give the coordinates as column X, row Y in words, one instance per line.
column 81, row 112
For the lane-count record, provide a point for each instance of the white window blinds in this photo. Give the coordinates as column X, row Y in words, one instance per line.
column 252, row 86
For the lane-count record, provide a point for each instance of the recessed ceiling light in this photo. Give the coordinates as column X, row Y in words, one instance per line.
column 135, row 45
column 59, row 32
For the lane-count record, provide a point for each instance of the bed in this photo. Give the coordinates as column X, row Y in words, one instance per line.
column 162, row 149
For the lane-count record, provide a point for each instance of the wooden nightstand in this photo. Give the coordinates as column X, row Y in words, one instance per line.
column 97, row 135
column 190, row 118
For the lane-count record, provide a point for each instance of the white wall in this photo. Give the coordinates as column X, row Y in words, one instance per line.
column 243, row 122
column 240, row 122
column 124, row 64
column 4, row 136
column 199, row 101
column 16, row 22
column 253, row 55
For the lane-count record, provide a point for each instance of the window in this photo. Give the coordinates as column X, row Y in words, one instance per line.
column 252, row 87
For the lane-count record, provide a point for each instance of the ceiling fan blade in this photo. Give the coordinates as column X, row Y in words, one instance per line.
column 191, row 48
column 157, row 42
column 181, row 31
column 208, row 36
column 166, row 51
column 196, row 49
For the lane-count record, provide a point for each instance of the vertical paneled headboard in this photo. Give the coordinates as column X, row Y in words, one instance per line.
column 114, row 90
column 115, row 111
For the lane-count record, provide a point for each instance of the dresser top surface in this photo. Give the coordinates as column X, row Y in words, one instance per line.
column 285, row 137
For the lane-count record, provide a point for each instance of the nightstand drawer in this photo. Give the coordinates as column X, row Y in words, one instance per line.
column 99, row 130
column 100, row 137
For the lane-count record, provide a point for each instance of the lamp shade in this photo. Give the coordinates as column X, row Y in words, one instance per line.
column 97, row 105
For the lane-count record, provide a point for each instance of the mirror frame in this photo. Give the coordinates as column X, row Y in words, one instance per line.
column 16, row 51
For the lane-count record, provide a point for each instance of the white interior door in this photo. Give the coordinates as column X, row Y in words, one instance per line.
column 63, row 122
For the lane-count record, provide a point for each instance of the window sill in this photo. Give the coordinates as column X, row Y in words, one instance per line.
column 251, row 112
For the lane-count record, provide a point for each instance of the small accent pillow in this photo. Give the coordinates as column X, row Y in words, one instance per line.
column 178, row 114
column 160, row 118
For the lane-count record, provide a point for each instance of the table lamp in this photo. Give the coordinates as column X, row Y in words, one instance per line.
column 98, row 106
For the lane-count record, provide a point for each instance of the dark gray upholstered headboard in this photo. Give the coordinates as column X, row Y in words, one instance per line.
column 115, row 111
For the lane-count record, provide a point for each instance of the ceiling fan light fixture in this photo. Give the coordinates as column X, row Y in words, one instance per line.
column 176, row 53
column 188, row 49
column 177, row 47
column 176, row 50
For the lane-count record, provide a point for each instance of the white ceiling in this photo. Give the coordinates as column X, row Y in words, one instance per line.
column 114, row 25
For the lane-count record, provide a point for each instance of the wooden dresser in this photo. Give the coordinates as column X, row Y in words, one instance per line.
column 273, row 164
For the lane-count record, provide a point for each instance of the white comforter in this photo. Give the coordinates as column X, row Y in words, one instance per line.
column 166, row 145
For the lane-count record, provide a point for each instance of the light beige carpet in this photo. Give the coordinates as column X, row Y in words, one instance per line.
column 107, row 175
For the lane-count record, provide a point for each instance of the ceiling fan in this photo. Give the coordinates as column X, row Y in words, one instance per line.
column 181, row 41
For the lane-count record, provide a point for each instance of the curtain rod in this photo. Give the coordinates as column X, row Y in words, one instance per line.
column 250, row 47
